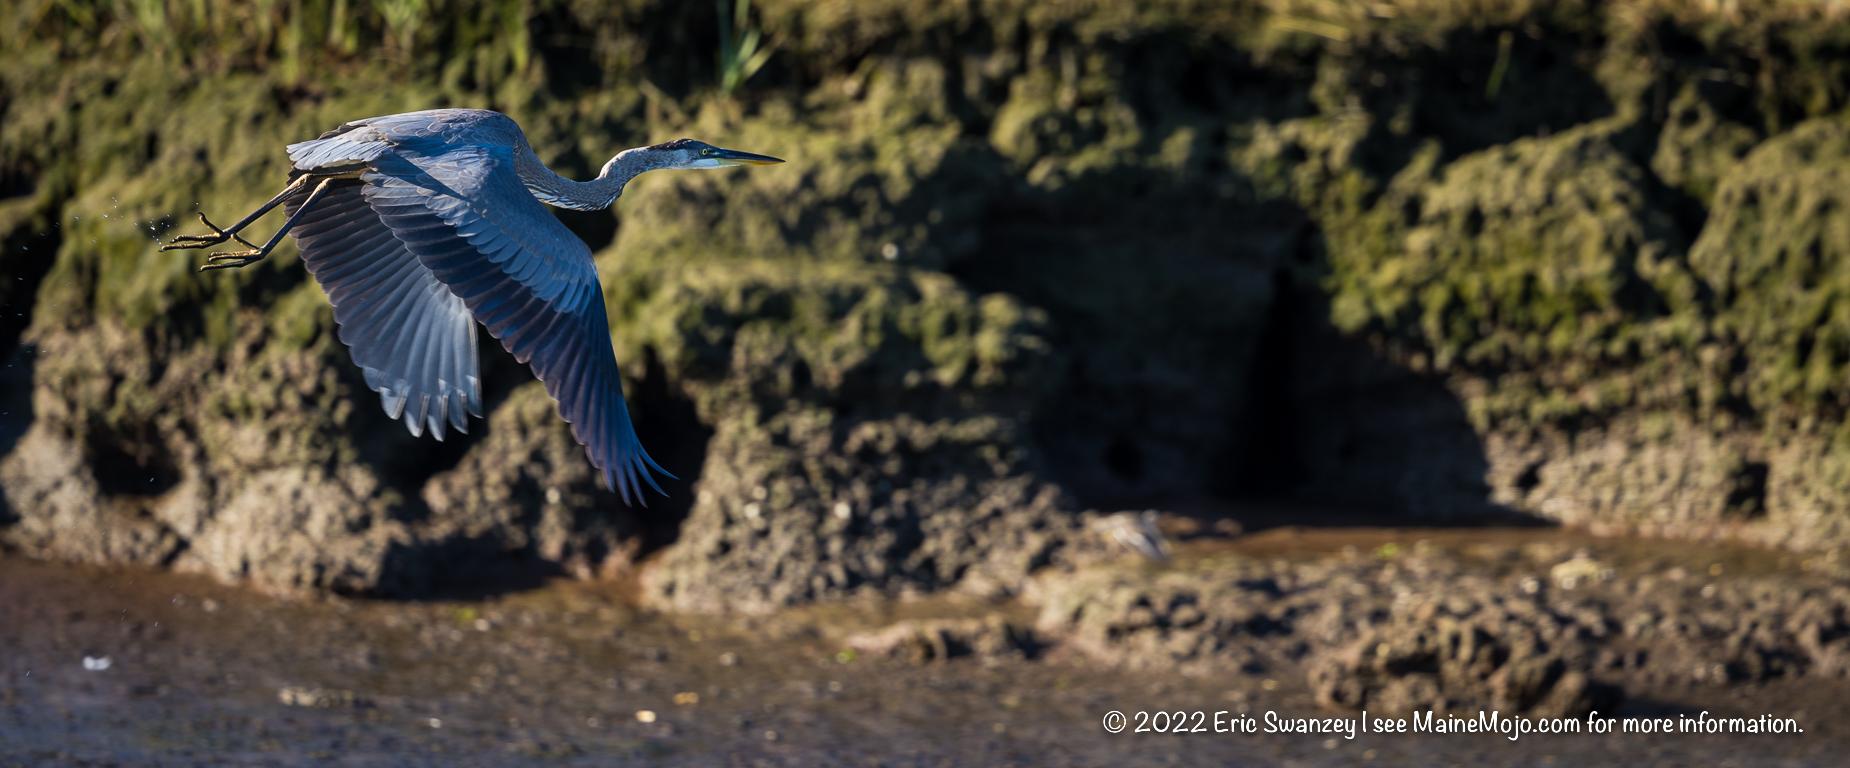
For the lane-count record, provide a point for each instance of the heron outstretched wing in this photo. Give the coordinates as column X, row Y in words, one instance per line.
column 460, row 210
column 414, row 339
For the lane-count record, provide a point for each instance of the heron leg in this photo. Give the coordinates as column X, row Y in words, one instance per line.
column 221, row 235
column 234, row 259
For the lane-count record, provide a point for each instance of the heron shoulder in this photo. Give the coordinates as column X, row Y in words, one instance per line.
column 452, row 126
column 360, row 142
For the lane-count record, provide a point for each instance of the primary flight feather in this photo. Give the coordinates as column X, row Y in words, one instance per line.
column 420, row 225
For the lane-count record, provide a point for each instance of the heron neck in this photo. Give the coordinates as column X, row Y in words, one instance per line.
column 553, row 189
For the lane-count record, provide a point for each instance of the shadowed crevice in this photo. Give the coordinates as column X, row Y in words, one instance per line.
column 15, row 395
column 130, row 460
column 670, row 429
column 461, row 569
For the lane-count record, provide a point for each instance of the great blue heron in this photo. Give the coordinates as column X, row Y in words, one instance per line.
column 421, row 224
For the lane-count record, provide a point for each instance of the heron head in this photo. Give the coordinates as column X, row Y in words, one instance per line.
column 688, row 153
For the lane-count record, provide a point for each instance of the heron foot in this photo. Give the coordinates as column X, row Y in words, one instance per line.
column 234, row 259
column 202, row 241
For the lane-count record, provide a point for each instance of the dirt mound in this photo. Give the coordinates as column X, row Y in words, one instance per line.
column 1536, row 632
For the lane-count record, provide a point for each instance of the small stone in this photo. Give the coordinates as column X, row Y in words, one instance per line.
column 319, row 698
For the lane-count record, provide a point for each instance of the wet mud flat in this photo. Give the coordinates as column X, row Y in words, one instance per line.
column 131, row 667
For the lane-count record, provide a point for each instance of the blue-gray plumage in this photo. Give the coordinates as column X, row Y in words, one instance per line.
column 420, row 225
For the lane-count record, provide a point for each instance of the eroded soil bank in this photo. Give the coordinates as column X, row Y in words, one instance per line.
column 1579, row 261
column 203, row 674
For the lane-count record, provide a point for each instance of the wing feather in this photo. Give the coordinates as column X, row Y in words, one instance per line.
column 414, row 341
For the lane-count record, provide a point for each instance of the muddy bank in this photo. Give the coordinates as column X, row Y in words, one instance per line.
column 201, row 674
column 1563, row 260
column 1547, row 624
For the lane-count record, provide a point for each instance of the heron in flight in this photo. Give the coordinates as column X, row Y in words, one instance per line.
column 420, row 225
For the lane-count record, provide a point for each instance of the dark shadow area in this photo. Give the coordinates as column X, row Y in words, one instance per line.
column 461, row 569
column 671, row 431
column 1366, row 430
column 597, row 228
column 15, row 395
column 1152, row 328
column 15, row 410
column 1198, row 373
column 1479, row 89
column 1268, row 463
column 26, row 255
column 675, row 42
column 1748, row 498
column 1123, row 459
column 1339, row 434
column 1214, row 81
column 130, row 460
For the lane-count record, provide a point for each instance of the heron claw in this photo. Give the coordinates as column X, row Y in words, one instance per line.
column 233, row 259
column 199, row 241
column 202, row 241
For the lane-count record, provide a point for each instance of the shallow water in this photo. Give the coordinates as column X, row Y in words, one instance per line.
column 199, row 674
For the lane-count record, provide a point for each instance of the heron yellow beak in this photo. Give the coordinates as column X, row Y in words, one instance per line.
column 731, row 157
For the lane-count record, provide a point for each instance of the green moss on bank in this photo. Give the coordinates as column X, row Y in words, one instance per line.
column 1014, row 242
